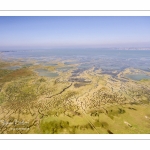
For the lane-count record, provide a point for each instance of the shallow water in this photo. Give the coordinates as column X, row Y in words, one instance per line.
column 63, row 69
column 12, row 67
column 138, row 76
column 105, row 59
column 46, row 73
column 48, row 64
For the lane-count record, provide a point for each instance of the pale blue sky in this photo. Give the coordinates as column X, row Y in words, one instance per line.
column 73, row 32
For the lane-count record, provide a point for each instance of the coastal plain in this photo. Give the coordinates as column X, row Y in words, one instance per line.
column 65, row 98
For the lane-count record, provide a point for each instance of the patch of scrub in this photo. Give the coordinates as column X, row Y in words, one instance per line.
column 46, row 73
column 138, row 76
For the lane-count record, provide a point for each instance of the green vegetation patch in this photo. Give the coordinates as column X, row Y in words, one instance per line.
column 54, row 127
column 4, row 72
column 63, row 126
column 115, row 112
column 20, row 91
column 9, row 75
column 2, row 98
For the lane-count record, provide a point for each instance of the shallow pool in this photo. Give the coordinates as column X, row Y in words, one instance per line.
column 138, row 76
column 46, row 73
column 12, row 67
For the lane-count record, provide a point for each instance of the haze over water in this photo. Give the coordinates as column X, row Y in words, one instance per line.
column 103, row 59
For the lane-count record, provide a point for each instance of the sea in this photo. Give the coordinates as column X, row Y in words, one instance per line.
column 104, row 59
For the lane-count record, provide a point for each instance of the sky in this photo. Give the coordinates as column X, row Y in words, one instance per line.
column 19, row 32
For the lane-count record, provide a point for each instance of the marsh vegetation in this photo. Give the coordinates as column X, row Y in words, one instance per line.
column 89, row 102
